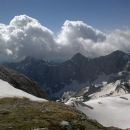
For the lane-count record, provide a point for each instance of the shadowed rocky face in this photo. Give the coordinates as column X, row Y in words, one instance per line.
column 22, row 82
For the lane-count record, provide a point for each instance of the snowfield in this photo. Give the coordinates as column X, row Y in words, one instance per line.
column 110, row 90
column 7, row 90
column 108, row 111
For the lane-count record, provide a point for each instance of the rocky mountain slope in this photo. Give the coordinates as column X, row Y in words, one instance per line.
column 8, row 91
column 20, row 81
column 74, row 74
column 23, row 114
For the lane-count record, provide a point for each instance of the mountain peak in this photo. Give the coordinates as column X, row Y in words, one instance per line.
column 118, row 52
column 78, row 56
column 119, row 55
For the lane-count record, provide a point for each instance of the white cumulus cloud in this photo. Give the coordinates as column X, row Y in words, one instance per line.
column 25, row 36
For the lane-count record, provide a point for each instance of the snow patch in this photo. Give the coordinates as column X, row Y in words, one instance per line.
column 7, row 90
column 108, row 111
column 109, row 90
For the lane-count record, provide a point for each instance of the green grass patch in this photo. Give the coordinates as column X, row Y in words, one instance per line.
column 23, row 114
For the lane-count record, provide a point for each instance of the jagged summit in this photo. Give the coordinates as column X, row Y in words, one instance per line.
column 117, row 53
column 78, row 57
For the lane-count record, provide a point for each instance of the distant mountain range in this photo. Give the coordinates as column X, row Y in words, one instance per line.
column 73, row 74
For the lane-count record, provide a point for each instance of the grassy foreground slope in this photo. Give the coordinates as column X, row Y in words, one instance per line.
column 23, row 114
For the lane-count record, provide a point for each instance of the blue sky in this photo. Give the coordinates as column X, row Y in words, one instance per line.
column 24, row 36
column 102, row 14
